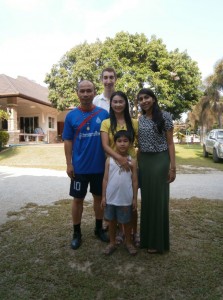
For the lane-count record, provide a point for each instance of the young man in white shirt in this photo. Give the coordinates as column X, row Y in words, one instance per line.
column 108, row 78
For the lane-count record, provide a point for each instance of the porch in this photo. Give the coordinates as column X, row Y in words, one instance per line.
column 32, row 137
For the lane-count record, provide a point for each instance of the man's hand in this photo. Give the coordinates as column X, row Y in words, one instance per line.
column 70, row 171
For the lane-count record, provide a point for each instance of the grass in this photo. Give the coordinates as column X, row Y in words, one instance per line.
column 52, row 157
column 36, row 261
column 47, row 157
column 192, row 155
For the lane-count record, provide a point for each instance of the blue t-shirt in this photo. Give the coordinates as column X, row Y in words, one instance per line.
column 88, row 156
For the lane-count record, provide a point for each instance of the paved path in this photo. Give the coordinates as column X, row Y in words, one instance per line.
column 19, row 186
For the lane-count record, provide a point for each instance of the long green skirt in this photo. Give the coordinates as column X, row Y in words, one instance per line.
column 154, row 222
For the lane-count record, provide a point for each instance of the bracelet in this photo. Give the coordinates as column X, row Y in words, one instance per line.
column 173, row 170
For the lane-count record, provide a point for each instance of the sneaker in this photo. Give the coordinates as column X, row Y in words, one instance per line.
column 102, row 235
column 76, row 241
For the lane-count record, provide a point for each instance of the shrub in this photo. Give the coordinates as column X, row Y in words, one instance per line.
column 4, row 137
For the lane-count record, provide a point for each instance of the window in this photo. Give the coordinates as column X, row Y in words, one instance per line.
column 4, row 124
column 28, row 124
column 51, row 122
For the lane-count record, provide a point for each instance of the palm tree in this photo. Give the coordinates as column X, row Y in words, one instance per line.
column 203, row 116
column 209, row 109
column 214, row 89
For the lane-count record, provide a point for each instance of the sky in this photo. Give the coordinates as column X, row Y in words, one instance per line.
column 35, row 34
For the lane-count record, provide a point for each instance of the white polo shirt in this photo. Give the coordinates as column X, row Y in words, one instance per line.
column 102, row 101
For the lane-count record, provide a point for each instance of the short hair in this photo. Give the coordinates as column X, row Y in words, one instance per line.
column 122, row 133
column 82, row 80
column 108, row 69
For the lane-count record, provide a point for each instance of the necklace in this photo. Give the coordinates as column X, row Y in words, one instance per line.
column 89, row 117
column 120, row 167
column 121, row 123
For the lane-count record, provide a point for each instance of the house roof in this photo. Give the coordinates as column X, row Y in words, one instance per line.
column 24, row 88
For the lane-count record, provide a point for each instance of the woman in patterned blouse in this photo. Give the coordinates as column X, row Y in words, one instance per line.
column 156, row 170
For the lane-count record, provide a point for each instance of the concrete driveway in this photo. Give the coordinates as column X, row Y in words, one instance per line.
column 19, row 186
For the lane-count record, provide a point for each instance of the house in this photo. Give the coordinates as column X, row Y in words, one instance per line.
column 32, row 118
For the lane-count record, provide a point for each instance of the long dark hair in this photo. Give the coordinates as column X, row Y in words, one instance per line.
column 157, row 115
column 127, row 116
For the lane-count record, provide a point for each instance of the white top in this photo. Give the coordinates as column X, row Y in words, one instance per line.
column 119, row 190
column 102, row 101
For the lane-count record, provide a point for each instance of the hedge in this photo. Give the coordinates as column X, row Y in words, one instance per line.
column 4, row 137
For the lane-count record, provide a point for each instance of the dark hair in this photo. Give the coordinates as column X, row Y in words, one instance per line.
column 127, row 116
column 122, row 133
column 108, row 69
column 157, row 115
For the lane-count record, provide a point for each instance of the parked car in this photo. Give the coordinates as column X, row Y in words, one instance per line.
column 213, row 144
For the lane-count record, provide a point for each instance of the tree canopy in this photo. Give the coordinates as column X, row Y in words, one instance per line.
column 138, row 61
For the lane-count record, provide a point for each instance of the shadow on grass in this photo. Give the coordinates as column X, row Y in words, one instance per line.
column 37, row 262
column 8, row 152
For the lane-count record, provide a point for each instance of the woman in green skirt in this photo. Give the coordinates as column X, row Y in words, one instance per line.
column 156, row 170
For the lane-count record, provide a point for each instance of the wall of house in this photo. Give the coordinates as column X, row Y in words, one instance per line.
column 24, row 112
column 13, row 137
column 52, row 137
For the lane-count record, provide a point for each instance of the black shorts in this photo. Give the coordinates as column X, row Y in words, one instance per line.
column 79, row 185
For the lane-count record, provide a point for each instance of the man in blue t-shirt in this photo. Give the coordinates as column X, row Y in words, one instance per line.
column 85, row 158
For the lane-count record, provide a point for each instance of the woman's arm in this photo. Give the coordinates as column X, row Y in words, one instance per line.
column 171, row 149
column 134, row 183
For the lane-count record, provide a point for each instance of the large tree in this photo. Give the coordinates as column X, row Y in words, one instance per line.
column 139, row 62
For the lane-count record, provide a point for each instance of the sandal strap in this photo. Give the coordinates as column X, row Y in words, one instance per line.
column 131, row 249
column 109, row 249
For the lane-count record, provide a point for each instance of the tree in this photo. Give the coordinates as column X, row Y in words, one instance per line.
column 207, row 113
column 202, row 117
column 174, row 76
column 4, row 136
column 3, row 115
column 214, row 88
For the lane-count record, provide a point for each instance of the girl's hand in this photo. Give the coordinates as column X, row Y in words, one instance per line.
column 171, row 175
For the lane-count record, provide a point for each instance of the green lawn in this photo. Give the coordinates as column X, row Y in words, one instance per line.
column 36, row 261
column 192, row 154
column 52, row 157
column 45, row 156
